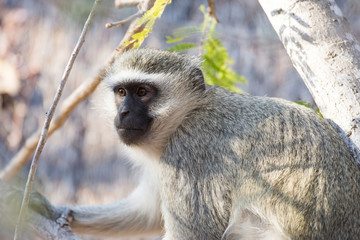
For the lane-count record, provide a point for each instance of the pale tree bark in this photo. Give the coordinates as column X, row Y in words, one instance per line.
column 316, row 36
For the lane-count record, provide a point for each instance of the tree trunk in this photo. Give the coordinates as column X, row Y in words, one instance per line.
column 327, row 56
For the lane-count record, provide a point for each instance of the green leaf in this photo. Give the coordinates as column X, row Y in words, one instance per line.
column 309, row 105
column 148, row 19
column 173, row 40
column 182, row 33
column 182, row 47
column 186, row 32
column 202, row 9
column 216, row 63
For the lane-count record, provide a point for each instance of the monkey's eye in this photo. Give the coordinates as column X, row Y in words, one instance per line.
column 141, row 92
column 122, row 92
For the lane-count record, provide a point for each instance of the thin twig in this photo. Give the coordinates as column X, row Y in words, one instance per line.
column 204, row 32
column 50, row 114
column 122, row 22
column 212, row 10
column 69, row 104
column 127, row 3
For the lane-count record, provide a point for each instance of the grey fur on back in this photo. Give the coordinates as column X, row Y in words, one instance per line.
column 270, row 156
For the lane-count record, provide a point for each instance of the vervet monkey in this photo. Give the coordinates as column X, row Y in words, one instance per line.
column 221, row 165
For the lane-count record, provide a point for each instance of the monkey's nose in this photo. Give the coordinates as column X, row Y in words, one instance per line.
column 124, row 113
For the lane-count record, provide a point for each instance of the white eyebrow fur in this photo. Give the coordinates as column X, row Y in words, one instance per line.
column 127, row 75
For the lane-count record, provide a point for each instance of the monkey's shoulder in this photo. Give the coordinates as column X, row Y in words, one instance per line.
column 236, row 109
column 231, row 118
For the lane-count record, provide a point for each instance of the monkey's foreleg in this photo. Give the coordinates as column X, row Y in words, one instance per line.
column 139, row 214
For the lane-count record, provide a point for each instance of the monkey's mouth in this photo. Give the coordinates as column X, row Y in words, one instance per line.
column 130, row 129
column 131, row 136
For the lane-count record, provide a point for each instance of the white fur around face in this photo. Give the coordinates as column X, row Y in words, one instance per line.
column 131, row 75
column 167, row 111
column 126, row 76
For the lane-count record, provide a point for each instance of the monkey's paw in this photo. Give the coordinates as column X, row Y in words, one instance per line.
column 11, row 199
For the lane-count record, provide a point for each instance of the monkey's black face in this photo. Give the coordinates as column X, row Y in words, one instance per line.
column 133, row 120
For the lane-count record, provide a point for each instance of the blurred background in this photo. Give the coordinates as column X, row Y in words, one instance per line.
column 82, row 163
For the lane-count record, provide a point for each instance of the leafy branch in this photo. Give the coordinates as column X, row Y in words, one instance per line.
column 147, row 21
column 216, row 62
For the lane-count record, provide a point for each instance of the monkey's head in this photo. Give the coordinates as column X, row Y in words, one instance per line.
column 154, row 90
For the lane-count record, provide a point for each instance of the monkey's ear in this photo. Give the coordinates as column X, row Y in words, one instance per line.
column 197, row 79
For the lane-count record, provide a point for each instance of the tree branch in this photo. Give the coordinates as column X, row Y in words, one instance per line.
column 127, row 3
column 142, row 5
column 212, row 10
column 69, row 104
column 45, row 227
column 81, row 93
column 50, row 113
column 122, row 22
column 327, row 56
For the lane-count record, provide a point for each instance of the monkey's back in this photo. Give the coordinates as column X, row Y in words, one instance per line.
column 268, row 156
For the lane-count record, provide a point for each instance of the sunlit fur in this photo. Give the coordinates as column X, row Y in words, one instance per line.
column 221, row 165
column 138, row 214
